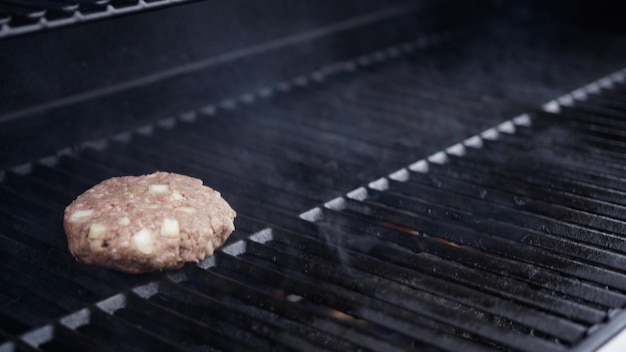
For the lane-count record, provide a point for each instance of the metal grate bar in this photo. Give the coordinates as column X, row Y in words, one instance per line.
column 261, row 323
column 333, row 296
column 281, row 303
column 66, row 339
column 16, row 346
column 581, row 170
column 471, row 257
column 515, row 202
column 540, row 178
column 503, row 203
column 505, row 286
column 422, row 303
column 41, row 265
column 495, row 229
column 21, row 16
column 158, row 320
column 606, row 164
column 475, row 239
column 526, row 204
column 118, row 334
column 558, row 171
column 492, row 242
column 352, row 251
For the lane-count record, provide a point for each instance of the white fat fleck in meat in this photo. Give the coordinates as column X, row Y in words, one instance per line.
column 177, row 196
column 96, row 231
column 169, row 228
column 158, row 188
column 143, row 242
column 123, row 221
column 188, row 210
column 96, row 245
column 81, row 215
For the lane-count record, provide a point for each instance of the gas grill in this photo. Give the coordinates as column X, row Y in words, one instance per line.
column 408, row 175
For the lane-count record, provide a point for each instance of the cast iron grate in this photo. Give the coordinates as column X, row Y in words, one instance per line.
column 23, row 16
column 510, row 240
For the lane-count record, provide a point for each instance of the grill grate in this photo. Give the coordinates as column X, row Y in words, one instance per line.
column 511, row 240
column 24, row 16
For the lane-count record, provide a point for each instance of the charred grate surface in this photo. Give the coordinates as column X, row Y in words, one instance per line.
column 509, row 241
column 530, row 213
column 24, row 16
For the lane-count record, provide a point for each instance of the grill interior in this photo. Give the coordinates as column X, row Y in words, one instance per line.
column 440, row 193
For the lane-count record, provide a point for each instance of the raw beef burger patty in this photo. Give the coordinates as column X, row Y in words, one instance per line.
column 145, row 223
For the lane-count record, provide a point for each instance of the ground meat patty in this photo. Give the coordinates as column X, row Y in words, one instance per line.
column 145, row 223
